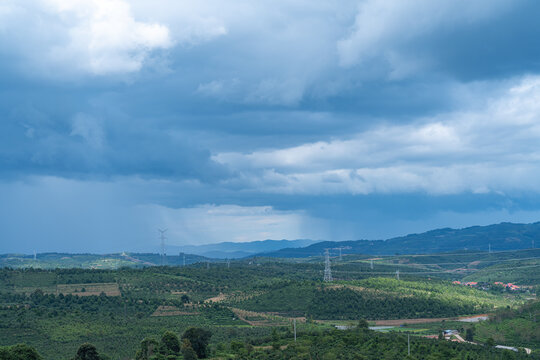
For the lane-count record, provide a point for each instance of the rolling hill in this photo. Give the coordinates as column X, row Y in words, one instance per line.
column 500, row 237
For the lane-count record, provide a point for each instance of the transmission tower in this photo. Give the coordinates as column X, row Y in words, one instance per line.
column 207, row 265
column 371, row 264
column 327, row 270
column 35, row 254
column 162, row 237
column 397, row 274
column 184, row 259
column 489, row 248
column 228, row 263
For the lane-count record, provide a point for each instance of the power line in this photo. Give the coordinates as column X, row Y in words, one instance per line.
column 454, row 254
column 409, row 344
column 420, row 272
column 463, row 263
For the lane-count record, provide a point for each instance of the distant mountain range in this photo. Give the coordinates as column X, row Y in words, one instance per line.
column 498, row 237
column 236, row 250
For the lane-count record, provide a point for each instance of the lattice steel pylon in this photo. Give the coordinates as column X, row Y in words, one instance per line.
column 327, row 270
column 162, row 237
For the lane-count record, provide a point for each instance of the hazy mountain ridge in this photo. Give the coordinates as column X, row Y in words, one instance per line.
column 236, row 250
column 498, row 237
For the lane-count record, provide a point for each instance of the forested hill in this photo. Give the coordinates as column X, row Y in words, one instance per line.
column 504, row 236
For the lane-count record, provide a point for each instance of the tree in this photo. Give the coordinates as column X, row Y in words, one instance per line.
column 147, row 349
column 19, row 352
column 490, row 342
column 236, row 346
column 199, row 339
column 87, row 351
column 469, row 334
column 363, row 324
column 187, row 351
column 275, row 339
column 170, row 343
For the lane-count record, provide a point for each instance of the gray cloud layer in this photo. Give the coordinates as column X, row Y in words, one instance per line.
column 300, row 118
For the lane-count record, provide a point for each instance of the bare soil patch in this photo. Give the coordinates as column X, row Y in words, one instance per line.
column 263, row 319
column 216, row 299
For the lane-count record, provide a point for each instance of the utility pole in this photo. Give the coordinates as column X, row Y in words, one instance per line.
column 397, row 274
column 294, row 326
column 35, row 254
column 409, row 344
column 371, row 264
column 228, row 263
column 340, row 258
column 327, row 270
column 184, row 260
column 207, row 265
column 162, row 238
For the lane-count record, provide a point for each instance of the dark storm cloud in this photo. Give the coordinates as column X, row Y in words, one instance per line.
column 353, row 115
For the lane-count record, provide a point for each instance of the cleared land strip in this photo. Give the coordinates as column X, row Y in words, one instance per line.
column 398, row 322
column 110, row 289
column 89, row 289
column 216, row 299
column 263, row 319
column 164, row 310
column 234, row 296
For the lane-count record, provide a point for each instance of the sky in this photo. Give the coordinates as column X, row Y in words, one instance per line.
column 250, row 120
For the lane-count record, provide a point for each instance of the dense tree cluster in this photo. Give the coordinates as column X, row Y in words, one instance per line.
column 192, row 345
column 385, row 302
column 19, row 352
column 364, row 344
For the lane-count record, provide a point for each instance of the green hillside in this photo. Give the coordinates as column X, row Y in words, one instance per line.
column 524, row 272
column 517, row 327
column 57, row 310
column 374, row 298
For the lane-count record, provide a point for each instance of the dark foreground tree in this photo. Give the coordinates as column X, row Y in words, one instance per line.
column 87, row 351
column 469, row 334
column 19, row 352
column 187, row 351
column 199, row 339
column 170, row 343
column 148, row 348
